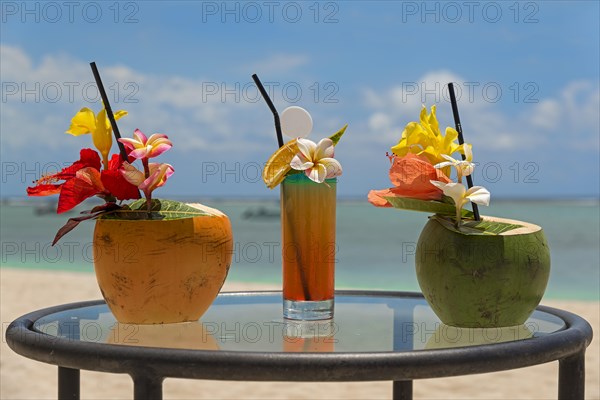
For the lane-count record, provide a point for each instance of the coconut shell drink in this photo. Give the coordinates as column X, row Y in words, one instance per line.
column 156, row 261
column 479, row 280
column 162, row 267
column 475, row 272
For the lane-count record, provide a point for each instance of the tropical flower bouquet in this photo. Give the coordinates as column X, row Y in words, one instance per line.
column 156, row 261
column 420, row 170
column 474, row 271
column 109, row 177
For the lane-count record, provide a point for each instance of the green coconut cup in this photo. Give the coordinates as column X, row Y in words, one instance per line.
column 479, row 280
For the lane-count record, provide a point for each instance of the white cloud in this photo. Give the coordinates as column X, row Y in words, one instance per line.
column 227, row 129
column 278, row 63
column 201, row 113
column 38, row 100
column 571, row 117
column 380, row 122
column 372, row 99
column 18, row 61
column 547, row 114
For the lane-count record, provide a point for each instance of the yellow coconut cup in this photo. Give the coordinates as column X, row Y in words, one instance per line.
column 162, row 271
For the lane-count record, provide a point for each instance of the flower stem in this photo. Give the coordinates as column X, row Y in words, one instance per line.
column 146, row 168
column 105, row 161
column 458, row 215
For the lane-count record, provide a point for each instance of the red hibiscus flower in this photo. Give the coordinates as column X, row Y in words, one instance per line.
column 85, row 184
column 83, row 180
column 115, row 183
column 45, row 186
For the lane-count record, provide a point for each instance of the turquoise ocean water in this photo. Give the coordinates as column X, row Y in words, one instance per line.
column 375, row 246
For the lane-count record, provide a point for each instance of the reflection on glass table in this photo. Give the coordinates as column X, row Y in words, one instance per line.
column 254, row 323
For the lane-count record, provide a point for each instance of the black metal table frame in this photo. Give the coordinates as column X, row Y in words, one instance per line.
column 149, row 366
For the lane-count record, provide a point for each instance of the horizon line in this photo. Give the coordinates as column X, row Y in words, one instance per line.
column 586, row 198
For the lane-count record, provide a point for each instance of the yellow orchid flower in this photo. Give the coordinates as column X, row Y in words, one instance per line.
column 424, row 138
column 85, row 121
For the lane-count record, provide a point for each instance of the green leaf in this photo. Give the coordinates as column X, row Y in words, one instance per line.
column 160, row 209
column 482, row 227
column 432, row 206
column 335, row 138
column 447, row 200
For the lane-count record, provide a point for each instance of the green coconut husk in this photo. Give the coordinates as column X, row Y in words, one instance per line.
column 483, row 280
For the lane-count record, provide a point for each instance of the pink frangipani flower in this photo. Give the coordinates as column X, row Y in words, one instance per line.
column 143, row 147
column 158, row 175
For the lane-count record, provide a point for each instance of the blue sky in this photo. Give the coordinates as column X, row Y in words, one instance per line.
column 528, row 73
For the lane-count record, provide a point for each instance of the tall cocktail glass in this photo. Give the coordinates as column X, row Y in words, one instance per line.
column 308, row 245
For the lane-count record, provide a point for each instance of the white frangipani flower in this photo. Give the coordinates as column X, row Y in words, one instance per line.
column 461, row 196
column 316, row 160
column 463, row 167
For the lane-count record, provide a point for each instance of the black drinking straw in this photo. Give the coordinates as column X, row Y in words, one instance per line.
column 461, row 141
column 109, row 112
column 265, row 96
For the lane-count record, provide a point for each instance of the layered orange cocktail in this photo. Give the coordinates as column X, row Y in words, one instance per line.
column 307, row 172
column 308, row 213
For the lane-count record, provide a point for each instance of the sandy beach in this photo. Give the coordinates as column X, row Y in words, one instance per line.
column 23, row 291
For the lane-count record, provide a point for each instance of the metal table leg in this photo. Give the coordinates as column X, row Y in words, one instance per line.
column 68, row 383
column 147, row 387
column 571, row 377
column 403, row 390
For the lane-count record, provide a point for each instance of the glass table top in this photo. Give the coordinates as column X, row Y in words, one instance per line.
column 253, row 322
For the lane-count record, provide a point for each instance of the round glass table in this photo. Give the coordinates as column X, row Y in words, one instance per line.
column 374, row 336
